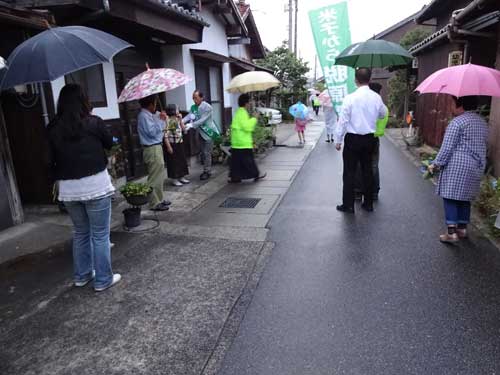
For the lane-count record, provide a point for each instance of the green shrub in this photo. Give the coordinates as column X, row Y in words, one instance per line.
column 133, row 189
column 261, row 136
column 286, row 116
column 395, row 123
column 488, row 202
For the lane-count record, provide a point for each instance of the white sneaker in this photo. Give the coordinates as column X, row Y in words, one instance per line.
column 79, row 284
column 116, row 279
column 177, row 183
column 184, row 181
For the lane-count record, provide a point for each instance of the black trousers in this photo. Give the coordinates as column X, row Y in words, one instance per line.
column 358, row 149
column 358, row 186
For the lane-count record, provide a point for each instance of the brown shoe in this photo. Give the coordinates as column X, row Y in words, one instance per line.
column 462, row 234
column 449, row 238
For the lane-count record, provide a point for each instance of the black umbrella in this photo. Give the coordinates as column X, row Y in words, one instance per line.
column 57, row 52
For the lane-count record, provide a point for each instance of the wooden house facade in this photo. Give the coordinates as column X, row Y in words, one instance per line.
column 394, row 34
column 149, row 26
column 23, row 162
column 467, row 31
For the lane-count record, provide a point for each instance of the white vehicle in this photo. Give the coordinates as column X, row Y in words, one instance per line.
column 273, row 114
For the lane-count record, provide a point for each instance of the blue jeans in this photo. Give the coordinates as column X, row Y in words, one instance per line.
column 456, row 212
column 91, row 251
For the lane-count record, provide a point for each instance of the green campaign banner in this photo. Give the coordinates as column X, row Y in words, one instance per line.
column 332, row 34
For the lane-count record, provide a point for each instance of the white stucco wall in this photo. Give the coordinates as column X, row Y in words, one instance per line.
column 240, row 51
column 173, row 58
column 112, row 111
column 180, row 58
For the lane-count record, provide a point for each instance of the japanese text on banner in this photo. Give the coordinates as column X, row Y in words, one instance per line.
column 330, row 26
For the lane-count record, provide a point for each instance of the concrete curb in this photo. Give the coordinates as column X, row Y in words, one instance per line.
column 237, row 313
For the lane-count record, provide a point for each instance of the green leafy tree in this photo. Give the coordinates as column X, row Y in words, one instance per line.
column 290, row 70
column 320, row 86
column 402, row 84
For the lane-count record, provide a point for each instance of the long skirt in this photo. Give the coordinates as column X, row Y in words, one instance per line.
column 243, row 166
column 176, row 163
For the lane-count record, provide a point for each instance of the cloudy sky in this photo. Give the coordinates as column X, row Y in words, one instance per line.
column 367, row 17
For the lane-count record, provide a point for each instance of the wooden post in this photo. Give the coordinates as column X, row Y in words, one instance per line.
column 494, row 149
column 295, row 48
column 290, row 25
column 13, row 196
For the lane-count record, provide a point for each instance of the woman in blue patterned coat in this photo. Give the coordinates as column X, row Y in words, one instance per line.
column 462, row 161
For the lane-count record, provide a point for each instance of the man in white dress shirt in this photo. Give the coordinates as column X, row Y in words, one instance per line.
column 355, row 129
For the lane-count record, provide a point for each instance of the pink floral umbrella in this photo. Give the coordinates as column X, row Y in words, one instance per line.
column 152, row 81
column 463, row 80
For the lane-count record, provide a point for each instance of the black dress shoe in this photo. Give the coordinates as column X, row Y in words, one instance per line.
column 160, row 207
column 342, row 208
column 367, row 207
column 261, row 177
column 204, row 176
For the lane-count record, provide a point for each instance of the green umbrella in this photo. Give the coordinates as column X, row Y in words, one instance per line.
column 374, row 54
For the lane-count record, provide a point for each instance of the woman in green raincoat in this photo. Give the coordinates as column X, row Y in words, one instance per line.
column 243, row 166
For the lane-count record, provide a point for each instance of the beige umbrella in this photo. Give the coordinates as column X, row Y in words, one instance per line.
column 252, row 81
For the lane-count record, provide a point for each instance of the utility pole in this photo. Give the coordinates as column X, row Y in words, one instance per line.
column 315, row 67
column 290, row 25
column 296, row 26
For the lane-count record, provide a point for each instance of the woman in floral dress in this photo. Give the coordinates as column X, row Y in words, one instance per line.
column 175, row 155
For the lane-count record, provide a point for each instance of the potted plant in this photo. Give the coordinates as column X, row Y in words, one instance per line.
column 136, row 194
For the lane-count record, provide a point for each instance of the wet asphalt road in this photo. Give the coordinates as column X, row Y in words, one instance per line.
column 371, row 293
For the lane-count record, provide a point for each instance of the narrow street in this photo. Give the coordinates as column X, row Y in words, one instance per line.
column 371, row 293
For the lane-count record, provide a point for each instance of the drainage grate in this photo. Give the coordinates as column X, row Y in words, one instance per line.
column 240, row 203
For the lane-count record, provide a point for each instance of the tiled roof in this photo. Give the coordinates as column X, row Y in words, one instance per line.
column 430, row 39
column 244, row 10
column 179, row 10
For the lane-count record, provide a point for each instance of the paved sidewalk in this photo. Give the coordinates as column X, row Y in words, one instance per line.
column 186, row 285
column 47, row 231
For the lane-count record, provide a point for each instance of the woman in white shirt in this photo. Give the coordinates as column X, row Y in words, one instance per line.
column 77, row 142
